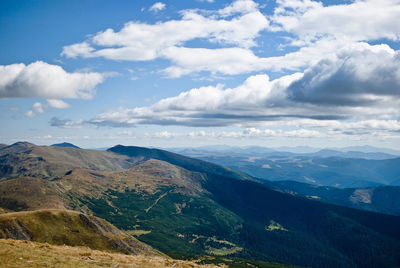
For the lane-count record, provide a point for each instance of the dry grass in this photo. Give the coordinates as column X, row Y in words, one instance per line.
column 3, row 210
column 45, row 177
column 61, row 227
column 15, row 253
column 145, row 177
column 32, row 193
column 50, row 162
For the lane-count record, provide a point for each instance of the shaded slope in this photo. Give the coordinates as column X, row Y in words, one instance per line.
column 383, row 199
column 341, row 236
column 61, row 227
column 280, row 227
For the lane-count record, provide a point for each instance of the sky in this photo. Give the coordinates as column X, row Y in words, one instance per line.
column 165, row 74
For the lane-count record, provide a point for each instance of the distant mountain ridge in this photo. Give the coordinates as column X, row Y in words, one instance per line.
column 384, row 199
column 325, row 170
column 256, row 151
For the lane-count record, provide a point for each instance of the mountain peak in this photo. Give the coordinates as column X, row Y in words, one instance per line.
column 20, row 146
column 65, row 144
column 22, row 143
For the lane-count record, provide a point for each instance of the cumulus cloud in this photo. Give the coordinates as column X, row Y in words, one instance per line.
column 362, row 83
column 236, row 60
column 230, row 61
column 58, row 104
column 365, row 76
column 241, row 7
column 138, row 41
column 357, row 21
column 316, row 30
column 37, row 108
column 66, row 123
column 42, row 80
column 80, row 49
column 157, row 7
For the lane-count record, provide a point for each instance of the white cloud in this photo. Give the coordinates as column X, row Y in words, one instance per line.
column 200, row 133
column 316, row 29
column 224, row 60
column 67, row 123
column 362, row 83
column 362, row 20
column 157, row 7
column 37, row 108
column 359, row 77
column 43, row 80
column 245, row 133
column 235, row 60
column 80, row 49
column 59, row 104
column 30, row 114
column 165, row 135
column 241, row 7
column 138, row 41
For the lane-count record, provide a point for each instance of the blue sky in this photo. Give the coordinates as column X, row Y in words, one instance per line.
column 192, row 73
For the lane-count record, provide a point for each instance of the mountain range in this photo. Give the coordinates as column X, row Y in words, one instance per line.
column 185, row 207
column 383, row 199
column 364, row 152
column 325, row 168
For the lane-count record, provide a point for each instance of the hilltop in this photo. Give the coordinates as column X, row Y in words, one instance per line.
column 65, row 144
column 61, row 227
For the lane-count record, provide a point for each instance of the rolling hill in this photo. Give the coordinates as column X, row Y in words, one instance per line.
column 62, row 227
column 184, row 207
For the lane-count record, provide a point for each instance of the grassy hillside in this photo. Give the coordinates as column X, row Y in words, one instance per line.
column 72, row 228
column 270, row 225
column 15, row 253
column 183, row 206
column 29, row 193
column 51, row 163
